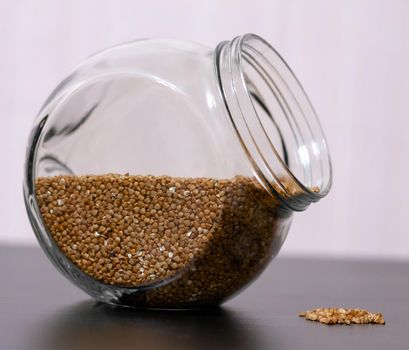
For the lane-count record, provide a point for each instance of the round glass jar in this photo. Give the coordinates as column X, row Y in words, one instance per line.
column 164, row 174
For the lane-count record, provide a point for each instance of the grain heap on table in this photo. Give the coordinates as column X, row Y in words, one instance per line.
column 332, row 315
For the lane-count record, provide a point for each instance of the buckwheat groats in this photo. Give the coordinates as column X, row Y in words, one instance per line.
column 196, row 241
column 333, row 315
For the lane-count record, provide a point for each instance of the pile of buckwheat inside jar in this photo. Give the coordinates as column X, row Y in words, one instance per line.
column 206, row 237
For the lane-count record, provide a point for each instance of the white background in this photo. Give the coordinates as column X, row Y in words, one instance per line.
column 351, row 56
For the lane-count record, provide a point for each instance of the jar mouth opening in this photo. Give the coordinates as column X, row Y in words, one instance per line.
column 274, row 120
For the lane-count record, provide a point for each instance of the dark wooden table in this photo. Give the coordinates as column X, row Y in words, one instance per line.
column 39, row 309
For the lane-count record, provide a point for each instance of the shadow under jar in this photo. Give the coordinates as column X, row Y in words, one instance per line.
column 164, row 174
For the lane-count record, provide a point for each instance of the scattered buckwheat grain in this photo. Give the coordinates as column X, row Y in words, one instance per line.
column 334, row 315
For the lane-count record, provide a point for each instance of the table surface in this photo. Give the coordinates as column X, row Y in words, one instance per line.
column 40, row 309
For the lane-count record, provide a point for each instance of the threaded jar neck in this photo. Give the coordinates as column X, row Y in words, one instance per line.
column 274, row 121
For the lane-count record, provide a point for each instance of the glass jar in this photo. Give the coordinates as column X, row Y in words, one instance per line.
column 164, row 174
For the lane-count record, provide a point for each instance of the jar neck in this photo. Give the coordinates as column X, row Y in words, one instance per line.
column 274, row 121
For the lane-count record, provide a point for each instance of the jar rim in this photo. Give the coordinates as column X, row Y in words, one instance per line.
column 234, row 60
